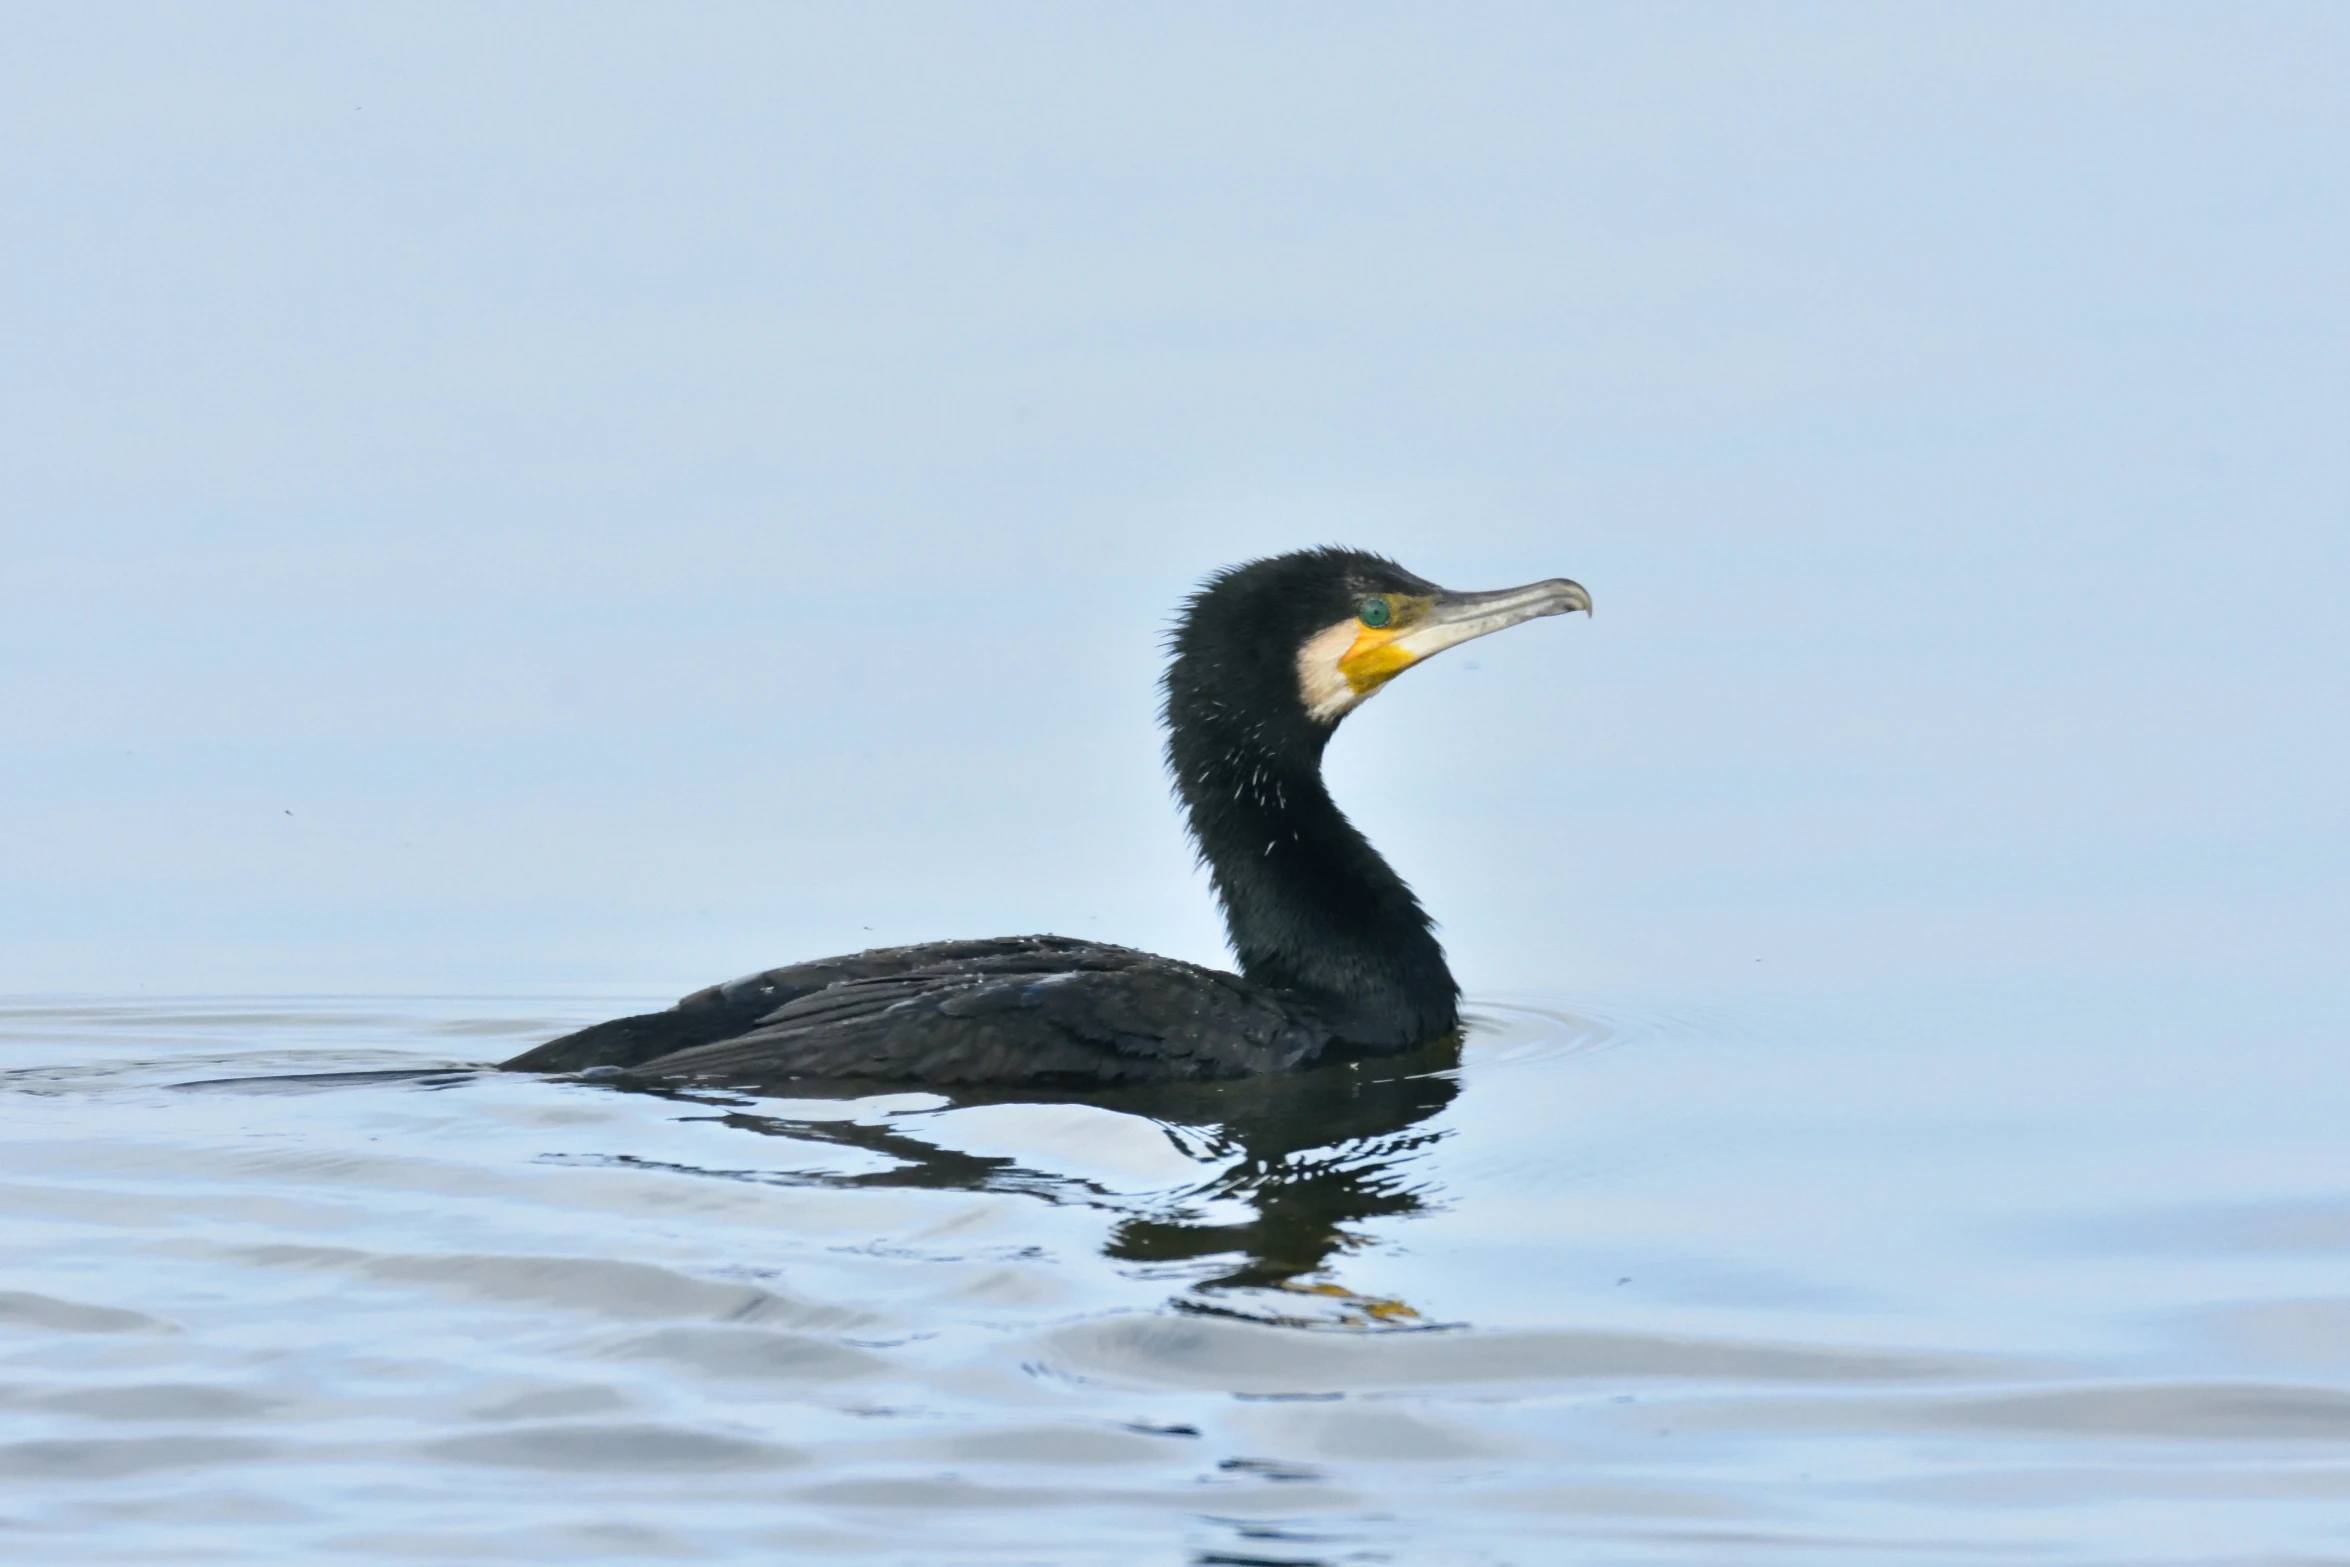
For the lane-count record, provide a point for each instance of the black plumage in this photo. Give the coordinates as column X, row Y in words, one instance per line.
column 1312, row 908
column 1336, row 955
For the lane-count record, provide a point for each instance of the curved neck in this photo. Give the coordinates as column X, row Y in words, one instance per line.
column 1312, row 908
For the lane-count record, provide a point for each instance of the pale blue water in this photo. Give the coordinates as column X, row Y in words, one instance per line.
column 1638, row 1284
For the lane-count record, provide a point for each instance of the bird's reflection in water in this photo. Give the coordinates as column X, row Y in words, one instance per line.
column 1311, row 1156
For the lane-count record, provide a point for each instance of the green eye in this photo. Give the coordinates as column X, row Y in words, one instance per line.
column 1376, row 611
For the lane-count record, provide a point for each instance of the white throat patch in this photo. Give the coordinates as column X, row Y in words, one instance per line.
column 1324, row 689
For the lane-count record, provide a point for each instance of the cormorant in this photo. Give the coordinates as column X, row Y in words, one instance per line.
column 1336, row 955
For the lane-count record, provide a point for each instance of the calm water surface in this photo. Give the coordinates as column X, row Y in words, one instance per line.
column 1908, row 1282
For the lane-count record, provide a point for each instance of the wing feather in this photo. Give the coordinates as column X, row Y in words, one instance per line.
column 1016, row 1009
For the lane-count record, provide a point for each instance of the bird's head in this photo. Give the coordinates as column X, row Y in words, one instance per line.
column 1296, row 642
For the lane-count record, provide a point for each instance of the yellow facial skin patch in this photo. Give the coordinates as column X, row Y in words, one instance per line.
column 1339, row 667
column 1374, row 658
column 1379, row 654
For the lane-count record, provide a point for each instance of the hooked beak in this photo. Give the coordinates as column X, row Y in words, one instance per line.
column 1447, row 620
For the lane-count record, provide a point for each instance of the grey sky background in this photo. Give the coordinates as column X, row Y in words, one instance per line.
column 538, row 495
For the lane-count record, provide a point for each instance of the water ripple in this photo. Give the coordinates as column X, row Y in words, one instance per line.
column 1623, row 1283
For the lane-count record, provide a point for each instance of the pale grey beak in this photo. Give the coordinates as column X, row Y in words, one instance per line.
column 1461, row 617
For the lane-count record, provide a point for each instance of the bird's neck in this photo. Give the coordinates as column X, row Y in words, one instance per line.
column 1312, row 908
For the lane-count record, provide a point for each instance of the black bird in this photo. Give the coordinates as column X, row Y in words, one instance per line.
column 1336, row 955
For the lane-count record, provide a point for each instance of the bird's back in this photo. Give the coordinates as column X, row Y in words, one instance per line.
column 1044, row 1010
